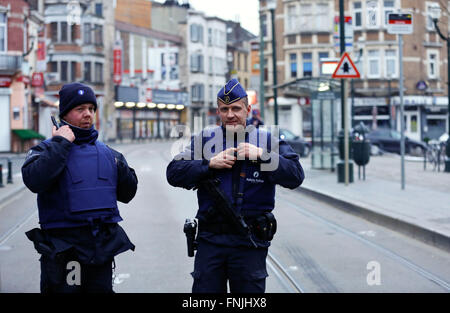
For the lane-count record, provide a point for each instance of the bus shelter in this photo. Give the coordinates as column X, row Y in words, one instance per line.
column 324, row 95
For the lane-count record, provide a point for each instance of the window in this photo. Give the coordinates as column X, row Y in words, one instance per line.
column 374, row 63
column 87, row 33
column 3, row 32
column 210, row 65
column 372, row 14
column 53, row 67
column 87, row 71
column 196, row 33
column 197, row 63
column 16, row 113
column 433, row 69
column 99, row 9
column 307, row 64
column 73, row 71
column 54, row 31
column 388, row 7
column 266, row 71
column 210, row 37
column 306, row 17
column 73, row 32
column 292, row 18
column 390, row 57
column 357, row 14
column 238, row 61
column 197, row 92
column 98, row 72
column 264, row 25
column 64, row 69
column 293, row 62
column 98, row 35
column 63, row 32
column 323, row 19
column 323, row 55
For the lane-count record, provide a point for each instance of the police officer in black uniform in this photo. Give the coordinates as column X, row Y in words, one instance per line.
column 224, row 254
column 78, row 181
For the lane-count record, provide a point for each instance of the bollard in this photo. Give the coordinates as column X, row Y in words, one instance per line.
column 1, row 176
column 9, row 180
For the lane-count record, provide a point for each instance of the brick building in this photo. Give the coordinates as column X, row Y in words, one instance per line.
column 305, row 34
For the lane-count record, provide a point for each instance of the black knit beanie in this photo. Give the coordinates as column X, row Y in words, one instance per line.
column 74, row 94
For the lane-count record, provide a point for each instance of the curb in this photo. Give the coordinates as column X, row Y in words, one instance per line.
column 418, row 232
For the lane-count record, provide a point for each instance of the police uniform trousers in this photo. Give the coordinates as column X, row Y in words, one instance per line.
column 59, row 275
column 244, row 268
column 79, row 259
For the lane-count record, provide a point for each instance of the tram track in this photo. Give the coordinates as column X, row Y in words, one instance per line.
column 368, row 243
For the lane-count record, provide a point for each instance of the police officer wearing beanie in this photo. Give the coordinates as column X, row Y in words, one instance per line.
column 235, row 154
column 78, row 181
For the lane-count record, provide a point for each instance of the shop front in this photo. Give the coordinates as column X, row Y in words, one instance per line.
column 148, row 120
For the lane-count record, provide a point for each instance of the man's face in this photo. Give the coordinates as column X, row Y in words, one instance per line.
column 233, row 115
column 81, row 116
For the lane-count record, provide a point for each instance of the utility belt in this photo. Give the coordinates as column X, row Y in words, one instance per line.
column 263, row 227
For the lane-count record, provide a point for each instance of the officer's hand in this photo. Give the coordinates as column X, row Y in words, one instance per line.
column 249, row 151
column 224, row 159
column 63, row 131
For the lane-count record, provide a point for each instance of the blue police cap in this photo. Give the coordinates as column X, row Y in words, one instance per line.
column 231, row 92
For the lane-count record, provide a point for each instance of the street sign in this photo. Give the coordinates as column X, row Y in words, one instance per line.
column 348, row 33
column 346, row 68
column 400, row 23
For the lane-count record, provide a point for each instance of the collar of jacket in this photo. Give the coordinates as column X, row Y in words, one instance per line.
column 82, row 135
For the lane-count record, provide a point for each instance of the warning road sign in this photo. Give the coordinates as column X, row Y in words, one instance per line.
column 346, row 68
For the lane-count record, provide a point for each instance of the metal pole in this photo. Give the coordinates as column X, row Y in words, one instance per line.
column 389, row 103
column 274, row 66
column 346, row 143
column 447, row 162
column 10, row 179
column 352, row 110
column 342, row 50
column 261, row 66
column 1, row 176
column 402, row 119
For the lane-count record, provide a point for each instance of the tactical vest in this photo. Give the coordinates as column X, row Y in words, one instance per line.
column 258, row 190
column 84, row 191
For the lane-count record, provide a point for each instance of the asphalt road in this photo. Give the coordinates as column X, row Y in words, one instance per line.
column 317, row 248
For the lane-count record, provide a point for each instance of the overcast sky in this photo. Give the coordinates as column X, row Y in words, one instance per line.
column 245, row 11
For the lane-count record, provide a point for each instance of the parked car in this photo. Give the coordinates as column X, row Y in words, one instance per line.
column 298, row 144
column 384, row 139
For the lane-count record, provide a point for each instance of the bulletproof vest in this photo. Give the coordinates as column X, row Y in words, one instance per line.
column 84, row 191
column 258, row 190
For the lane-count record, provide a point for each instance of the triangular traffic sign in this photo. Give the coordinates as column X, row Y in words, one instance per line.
column 346, row 68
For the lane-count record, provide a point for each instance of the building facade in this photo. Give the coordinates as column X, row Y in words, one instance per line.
column 306, row 32
column 20, row 25
column 149, row 101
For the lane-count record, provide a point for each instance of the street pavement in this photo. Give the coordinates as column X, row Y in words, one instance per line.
column 421, row 210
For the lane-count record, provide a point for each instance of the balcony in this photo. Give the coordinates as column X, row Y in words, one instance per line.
column 10, row 64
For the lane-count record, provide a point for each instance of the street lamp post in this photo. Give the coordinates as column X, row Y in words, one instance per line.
column 447, row 39
column 271, row 5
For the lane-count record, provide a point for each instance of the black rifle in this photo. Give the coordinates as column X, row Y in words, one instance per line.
column 223, row 204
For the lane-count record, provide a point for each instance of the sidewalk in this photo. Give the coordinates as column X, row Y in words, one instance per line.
column 10, row 190
column 421, row 210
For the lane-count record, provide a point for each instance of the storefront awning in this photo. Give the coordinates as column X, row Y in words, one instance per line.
column 26, row 134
